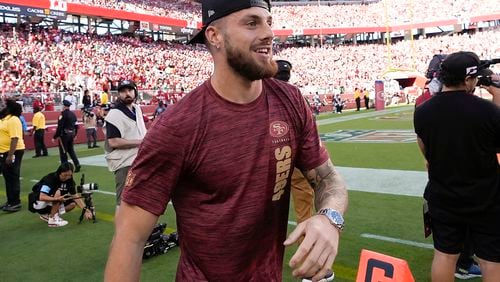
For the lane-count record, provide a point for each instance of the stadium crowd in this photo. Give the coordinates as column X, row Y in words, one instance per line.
column 313, row 15
column 178, row 9
column 381, row 13
column 332, row 67
column 51, row 60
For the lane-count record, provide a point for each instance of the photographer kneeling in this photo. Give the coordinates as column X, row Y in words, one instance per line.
column 56, row 194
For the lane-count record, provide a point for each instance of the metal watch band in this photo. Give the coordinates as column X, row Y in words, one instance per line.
column 337, row 221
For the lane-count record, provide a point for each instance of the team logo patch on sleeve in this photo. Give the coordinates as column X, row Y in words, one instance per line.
column 130, row 179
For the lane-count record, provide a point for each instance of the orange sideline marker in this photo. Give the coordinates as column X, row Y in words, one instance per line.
column 376, row 267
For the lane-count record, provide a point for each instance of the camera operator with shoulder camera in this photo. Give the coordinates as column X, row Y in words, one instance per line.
column 56, row 194
column 89, row 120
column 459, row 135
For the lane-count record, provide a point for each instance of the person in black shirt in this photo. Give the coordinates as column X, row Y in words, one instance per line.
column 459, row 135
column 86, row 100
column 56, row 194
column 65, row 134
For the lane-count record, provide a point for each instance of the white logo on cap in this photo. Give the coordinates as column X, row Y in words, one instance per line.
column 471, row 70
column 211, row 13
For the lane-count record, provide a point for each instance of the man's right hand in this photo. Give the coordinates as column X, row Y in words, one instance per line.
column 493, row 90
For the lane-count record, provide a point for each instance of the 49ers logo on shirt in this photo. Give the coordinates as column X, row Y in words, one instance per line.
column 278, row 129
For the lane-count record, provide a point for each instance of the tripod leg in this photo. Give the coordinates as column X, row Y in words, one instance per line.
column 93, row 214
column 82, row 214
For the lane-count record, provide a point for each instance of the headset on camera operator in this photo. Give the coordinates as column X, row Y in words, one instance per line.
column 56, row 194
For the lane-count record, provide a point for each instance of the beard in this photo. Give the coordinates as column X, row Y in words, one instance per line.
column 247, row 67
column 127, row 100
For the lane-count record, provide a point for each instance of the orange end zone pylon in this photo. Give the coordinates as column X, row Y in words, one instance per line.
column 376, row 267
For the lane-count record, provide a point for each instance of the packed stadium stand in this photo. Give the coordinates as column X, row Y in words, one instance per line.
column 178, row 9
column 322, row 13
column 50, row 60
column 38, row 59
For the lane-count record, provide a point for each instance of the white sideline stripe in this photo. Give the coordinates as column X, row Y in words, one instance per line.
column 385, row 181
column 292, row 223
column 399, row 241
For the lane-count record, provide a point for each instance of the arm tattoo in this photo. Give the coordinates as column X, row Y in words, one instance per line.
column 328, row 186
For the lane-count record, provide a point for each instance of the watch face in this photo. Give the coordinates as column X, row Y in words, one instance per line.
column 336, row 217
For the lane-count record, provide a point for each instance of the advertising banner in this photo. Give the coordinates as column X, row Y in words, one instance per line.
column 32, row 11
column 379, row 95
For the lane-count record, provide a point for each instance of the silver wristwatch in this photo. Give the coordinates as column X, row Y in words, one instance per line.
column 334, row 216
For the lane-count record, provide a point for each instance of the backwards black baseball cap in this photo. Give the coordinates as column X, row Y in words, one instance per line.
column 215, row 9
column 127, row 84
column 461, row 64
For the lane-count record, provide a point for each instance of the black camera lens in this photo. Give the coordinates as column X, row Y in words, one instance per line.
column 484, row 81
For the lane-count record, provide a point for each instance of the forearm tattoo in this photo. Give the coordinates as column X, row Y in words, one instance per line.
column 326, row 183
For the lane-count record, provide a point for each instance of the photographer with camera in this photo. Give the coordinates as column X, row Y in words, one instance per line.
column 459, row 135
column 89, row 120
column 56, row 194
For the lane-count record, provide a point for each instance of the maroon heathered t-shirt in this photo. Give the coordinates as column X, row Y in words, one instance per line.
column 227, row 169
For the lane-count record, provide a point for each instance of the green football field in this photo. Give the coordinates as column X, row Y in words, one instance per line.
column 388, row 223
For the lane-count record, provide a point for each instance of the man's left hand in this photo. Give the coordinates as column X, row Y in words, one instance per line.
column 315, row 255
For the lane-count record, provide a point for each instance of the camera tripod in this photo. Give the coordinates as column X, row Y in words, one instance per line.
column 89, row 205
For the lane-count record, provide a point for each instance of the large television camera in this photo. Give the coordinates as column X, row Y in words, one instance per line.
column 159, row 243
column 88, row 112
column 484, row 77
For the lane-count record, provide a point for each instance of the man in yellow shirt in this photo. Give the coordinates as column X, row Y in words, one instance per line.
column 357, row 98
column 104, row 98
column 11, row 153
column 39, row 133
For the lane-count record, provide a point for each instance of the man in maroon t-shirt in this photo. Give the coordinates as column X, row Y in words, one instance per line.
column 224, row 155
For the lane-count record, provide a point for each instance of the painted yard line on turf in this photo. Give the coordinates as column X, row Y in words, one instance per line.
column 398, row 241
column 105, row 192
column 388, row 239
column 363, row 115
